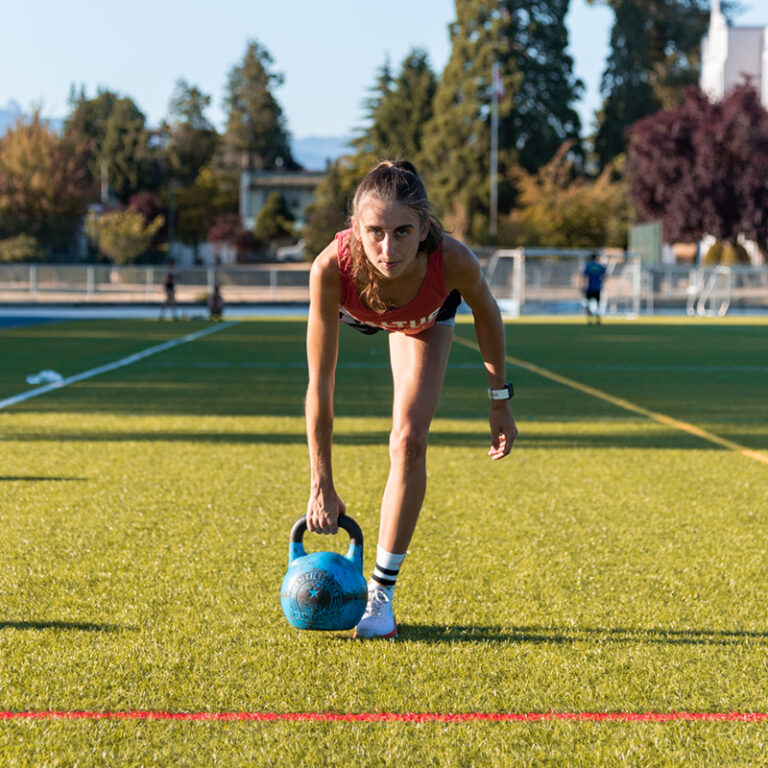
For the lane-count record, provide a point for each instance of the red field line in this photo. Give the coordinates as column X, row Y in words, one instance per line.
column 397, row 717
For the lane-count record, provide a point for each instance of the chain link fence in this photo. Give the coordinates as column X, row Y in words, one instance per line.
column 40, row 283
column 535, row 282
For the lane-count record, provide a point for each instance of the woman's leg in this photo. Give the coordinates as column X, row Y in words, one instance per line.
column 418, row 369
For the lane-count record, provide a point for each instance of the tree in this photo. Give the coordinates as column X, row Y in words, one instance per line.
column 399, row 109
column 228, row 230
column 191, row 139
column 559, row 209
column 327, row 213
column 655, row 54
column 529, row 41
column 627, row 93
column 275, row 219
column 198, row 205
column 115, row 129
column 122, row 234
column 702, row 168
column 43, row 183
column 535, row 37
column 21, row 248
column 125, row 150
column 256, row 128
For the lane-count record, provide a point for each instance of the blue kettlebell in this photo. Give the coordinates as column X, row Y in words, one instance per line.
column 324, row 590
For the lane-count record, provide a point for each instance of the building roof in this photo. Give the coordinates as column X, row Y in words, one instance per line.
column 271, row 179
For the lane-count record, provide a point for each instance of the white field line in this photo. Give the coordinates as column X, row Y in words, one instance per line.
column 619, row 402
column 134, row 358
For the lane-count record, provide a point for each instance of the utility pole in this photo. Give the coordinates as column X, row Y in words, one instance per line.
column 171, row 218
column 496, row 90
column 104, row 167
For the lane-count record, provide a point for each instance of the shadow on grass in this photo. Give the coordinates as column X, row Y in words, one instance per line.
column 531, row 440
column 39, row 479
column 69, row 626
column 425, row 633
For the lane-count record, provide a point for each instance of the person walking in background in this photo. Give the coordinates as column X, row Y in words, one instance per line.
column 594, row 274
column 169, row 284
column 215, row 304
column 396, row 270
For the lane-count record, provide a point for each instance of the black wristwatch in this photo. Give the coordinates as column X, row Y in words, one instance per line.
column 507, row 392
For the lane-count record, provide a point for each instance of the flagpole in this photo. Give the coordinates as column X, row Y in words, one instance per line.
column 494, row 212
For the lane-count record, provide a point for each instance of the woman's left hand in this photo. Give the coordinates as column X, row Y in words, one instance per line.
column 503, row 430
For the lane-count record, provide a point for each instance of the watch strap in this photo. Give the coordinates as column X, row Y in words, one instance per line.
column 507, row 392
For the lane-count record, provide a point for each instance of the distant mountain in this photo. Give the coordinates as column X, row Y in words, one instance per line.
column 11, row 112
column 8, row 115
column 315, row 152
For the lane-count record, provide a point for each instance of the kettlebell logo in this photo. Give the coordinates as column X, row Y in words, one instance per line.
column 312, row 592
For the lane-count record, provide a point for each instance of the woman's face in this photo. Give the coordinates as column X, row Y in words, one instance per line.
column 391, row 235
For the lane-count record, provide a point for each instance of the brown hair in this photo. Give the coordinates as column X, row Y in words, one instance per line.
column 397, row 181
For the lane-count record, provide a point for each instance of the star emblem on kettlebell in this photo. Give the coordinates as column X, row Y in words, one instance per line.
column 314, row 592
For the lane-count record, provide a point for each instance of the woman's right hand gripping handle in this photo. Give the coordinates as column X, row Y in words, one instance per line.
column 323, row 511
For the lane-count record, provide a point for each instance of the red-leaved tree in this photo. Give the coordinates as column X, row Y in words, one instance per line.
column 703, row 168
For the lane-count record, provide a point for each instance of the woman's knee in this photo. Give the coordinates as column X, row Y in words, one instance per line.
column 408, row 445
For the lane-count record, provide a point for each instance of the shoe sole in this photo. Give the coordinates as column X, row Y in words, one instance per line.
column 391, row 636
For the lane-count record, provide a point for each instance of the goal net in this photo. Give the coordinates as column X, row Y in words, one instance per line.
column 550, row 281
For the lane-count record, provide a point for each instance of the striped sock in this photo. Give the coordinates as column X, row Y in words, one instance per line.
column 387, row 567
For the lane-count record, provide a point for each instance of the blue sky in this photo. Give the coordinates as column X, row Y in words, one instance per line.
column 328, row 50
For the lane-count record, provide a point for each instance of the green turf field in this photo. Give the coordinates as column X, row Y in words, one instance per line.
column 612, row 563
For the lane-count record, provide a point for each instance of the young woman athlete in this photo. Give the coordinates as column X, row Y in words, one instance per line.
column 395, row 270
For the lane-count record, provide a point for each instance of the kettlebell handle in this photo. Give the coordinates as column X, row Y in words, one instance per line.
column 345, row 522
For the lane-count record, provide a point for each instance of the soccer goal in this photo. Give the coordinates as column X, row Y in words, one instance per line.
column 709, row 292
column 550, row 280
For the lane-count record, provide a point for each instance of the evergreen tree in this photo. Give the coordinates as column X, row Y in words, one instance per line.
column 126, row 150
column 256, row 136
column 275, row 219
column 327, row 214
column 457, row 138
column 191, row 139
column 399, row 110
column 379, row 91
column 115, row 129
column 529, row 42
column 628, row 94
column 655, row 52
column 534, row 36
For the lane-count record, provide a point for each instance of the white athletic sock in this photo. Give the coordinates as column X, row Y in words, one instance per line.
column 387, row 567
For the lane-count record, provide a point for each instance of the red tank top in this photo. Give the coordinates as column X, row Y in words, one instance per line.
column 414, row 317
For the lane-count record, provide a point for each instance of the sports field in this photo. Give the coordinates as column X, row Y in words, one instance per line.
column 596, row 598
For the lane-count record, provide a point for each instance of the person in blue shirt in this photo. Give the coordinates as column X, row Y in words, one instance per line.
column 594, row 274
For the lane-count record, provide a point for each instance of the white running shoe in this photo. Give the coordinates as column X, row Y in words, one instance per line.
column 378, row 619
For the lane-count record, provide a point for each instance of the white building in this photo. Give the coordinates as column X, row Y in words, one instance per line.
column 730, row 53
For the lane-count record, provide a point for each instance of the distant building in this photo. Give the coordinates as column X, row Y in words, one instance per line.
column 730, row 53
column 296, row 187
